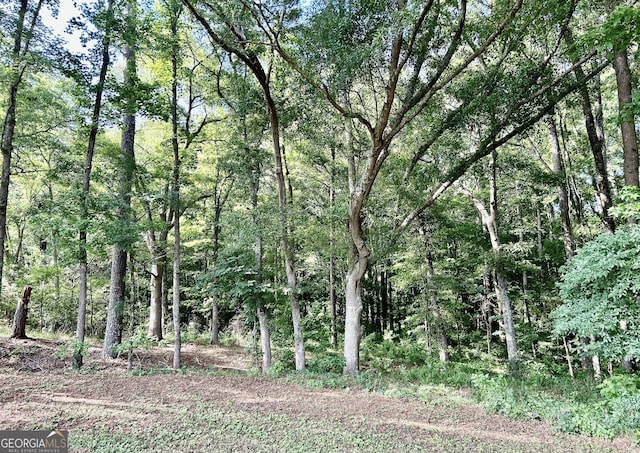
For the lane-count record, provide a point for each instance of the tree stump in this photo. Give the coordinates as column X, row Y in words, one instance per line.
column 20, row 318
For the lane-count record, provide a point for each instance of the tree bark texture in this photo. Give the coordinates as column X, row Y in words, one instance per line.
column 215, row 327
column 353, row 311
column 20, row 317
column 177, row 248
column 265, row 337
column 435, row 308
column 627, row 124
column 155, row 306
column 115, row 309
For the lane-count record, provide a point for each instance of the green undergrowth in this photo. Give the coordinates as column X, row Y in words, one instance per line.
column 537, row 391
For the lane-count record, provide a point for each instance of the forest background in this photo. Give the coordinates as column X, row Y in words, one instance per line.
column 356, row 184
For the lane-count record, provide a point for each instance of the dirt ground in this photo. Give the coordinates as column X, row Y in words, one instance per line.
column 218, row 406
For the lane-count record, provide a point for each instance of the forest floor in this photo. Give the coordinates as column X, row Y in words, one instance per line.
column 219, row 403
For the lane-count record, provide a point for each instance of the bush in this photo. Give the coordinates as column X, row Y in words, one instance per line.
column 326, row 364
column 600, row 288
column 614, row 411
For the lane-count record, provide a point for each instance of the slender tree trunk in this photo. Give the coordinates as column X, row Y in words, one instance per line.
column 596, row 144
column 440, row 332
column 157, row 245
column 221, row 194
column 490, row 221
column 155, row 307
column 215, row 328
column 285, row 239
column 627, row 125
column 22, row 39
column 332, row 260
column 262, row 311
column 20, row 317
column 265, row 337
column 563, row 198
column 502, row 293
column 84, row 206
column 117, row 296
column 263, row 77
column 177, row 249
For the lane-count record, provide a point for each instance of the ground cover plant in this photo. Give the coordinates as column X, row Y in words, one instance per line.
column 220, row 402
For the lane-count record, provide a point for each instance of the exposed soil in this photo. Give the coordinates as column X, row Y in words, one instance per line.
column 231, row 410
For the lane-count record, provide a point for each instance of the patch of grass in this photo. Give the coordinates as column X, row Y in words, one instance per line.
column 225, row 428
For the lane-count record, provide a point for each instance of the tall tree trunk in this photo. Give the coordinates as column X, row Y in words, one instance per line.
column 86, row 182
column 157, row 245
column 20, row 317
column 627, row 124
column 353, row 311
column 436, row 315
column 629, row 136
column 285, row 239
column 490, row 220
column 596, row 144
column 263, row 313
column 221, row 194
column 115, row 308
column 357, row 267
column 563, row 198
column 333, row 339
column 19, row 62
column 265, row 337
column 177, row 249
column 241, row 50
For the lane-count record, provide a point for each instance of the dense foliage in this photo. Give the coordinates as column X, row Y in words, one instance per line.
column 379, row 185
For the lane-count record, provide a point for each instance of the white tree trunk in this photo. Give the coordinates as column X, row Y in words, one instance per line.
column 502, row 293
column 352, row 328
column 265, row 338
column 215, row 330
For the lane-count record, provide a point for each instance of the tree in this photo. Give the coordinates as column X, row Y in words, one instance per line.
column 596, row 142
column 24, row 28
column 175, row 11
column 106, row 20
column 600, row 289
column 429, row 53
column 126, row 161
column 616, row 35
column 563, row 198
column 238, row 44
column 489, row 218
column 20, row 318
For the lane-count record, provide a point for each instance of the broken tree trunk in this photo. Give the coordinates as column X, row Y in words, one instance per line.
column 20, row 318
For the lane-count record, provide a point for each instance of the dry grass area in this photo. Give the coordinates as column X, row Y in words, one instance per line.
column 220, row 404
